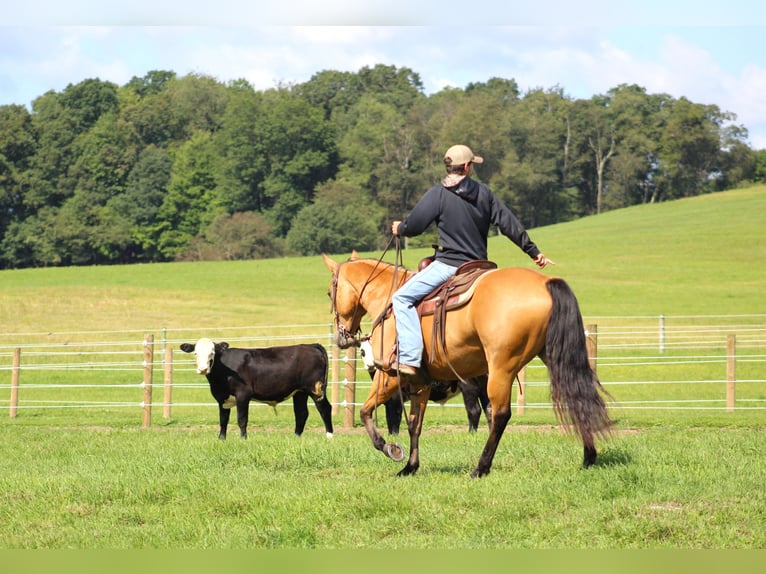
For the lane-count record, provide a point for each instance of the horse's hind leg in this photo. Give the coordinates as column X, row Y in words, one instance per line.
column 499, row 393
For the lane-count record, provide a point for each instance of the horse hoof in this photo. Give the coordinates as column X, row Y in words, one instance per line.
column 407, row 471
column 394, row 451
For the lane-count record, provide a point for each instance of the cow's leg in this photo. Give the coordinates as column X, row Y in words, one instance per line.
column 301, row 410
column 394, row 409
column 419, row 393
column 242, row 414
column 325, row 411
column 486, row 406
column 223, row 420
column 471, row 402
column 393, row 406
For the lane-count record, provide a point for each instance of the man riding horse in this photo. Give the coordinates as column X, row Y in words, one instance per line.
column 463, row 210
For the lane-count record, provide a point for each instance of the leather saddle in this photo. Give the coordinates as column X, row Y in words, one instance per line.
column 452, row 294
column 456, row 291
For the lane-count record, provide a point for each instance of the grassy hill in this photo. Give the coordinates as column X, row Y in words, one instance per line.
column 703, row 255
column 672, row 477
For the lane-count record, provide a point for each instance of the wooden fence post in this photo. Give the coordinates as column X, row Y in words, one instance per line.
column 591, row 343
column 335, row 378
column 350, row 380
column 731, row 371
column 146, row 420
column 521, row 392
column 168, row 382
column 15, row 382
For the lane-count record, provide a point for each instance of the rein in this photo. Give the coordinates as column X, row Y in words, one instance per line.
column 353, row 334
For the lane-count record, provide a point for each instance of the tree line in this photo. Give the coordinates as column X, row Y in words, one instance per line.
column 186, row 168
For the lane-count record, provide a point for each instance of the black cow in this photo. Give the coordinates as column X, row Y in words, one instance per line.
column 269, row 375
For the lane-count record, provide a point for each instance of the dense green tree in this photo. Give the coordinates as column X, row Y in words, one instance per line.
column 88, row 101
column 243, row 235
column 298, row 151
column 169, row 167
column 504, row 90
column 56, row 129
column 145, row 191
column 760, row 166
column 105, row 154
column 191, row 201
column 17, row 136
column 332, row 91
column 243, row 165
column 17, row 147
column 340, row 220
column 379, row 154
column 531, row 175
column 736, row 161
column 689, row 148
column 152, row 83
column 633, row 114
column 197, row 103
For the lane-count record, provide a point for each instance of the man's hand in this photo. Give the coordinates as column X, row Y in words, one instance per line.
column 541, row 261
column 395, row 227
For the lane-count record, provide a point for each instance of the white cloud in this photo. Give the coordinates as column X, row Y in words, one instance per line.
column 711, row 66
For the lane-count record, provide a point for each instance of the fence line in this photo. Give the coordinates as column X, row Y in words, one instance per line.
column 719, row 339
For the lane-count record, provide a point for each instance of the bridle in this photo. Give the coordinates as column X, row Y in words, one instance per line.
column 352, row 334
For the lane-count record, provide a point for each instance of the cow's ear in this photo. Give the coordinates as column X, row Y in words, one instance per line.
column 354, row 255
column 223, row 346
column 187, row 347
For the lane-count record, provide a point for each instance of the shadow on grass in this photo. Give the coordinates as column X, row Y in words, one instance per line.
column 613, row 457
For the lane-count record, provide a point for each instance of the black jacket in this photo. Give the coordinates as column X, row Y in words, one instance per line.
column 463, row 216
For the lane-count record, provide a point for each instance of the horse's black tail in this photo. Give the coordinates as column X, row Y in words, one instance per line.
column 575, row 388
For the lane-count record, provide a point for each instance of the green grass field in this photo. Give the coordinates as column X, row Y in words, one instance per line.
column 78, row 471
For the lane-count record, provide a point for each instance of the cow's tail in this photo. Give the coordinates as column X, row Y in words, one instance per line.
column 576, row 392
column 326, row 369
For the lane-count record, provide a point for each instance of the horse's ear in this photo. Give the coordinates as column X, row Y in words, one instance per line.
column 354, row 255
column 329, row 263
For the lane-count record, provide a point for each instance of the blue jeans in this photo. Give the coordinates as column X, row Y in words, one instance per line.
column 405, row 314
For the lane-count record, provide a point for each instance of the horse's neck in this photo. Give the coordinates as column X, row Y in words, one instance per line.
column 377, row 293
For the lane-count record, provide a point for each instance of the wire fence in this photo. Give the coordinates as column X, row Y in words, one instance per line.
column 666, row 363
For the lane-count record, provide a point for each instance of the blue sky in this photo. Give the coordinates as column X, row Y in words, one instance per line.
column 709, row 52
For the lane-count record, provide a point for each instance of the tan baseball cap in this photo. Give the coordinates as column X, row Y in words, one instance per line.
column 461, row 154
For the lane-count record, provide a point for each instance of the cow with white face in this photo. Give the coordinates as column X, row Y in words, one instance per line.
column 204, row 353
column 269, row 375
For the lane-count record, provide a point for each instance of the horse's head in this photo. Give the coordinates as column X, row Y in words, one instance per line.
column 360, row 286
column 346, row 305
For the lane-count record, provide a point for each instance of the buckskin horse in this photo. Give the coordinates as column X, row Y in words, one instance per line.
column 513, row 316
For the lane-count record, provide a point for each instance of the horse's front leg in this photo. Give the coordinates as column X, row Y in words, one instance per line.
column 383, row 388
column 419, row 393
